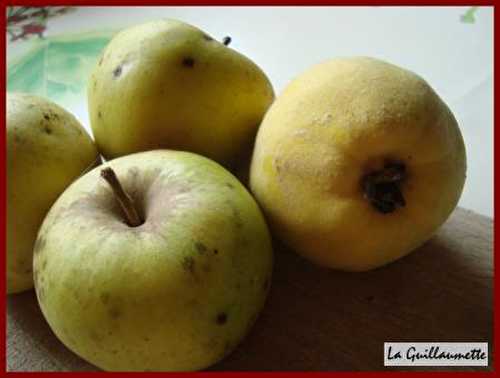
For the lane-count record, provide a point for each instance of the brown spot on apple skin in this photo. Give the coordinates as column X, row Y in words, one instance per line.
column 117, row 72
column 188, row 264
column 221, row 318
column 95, row 337
column 200, row 247
column 236, row 216
column 114, row 312
column 104, row 297
column 188, row 62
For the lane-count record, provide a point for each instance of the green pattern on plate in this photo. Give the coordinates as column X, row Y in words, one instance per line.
column 58, row 67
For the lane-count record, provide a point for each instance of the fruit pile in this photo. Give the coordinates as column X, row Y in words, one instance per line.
column 160, row 259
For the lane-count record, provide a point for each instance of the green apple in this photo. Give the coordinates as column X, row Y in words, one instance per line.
column 167, row 84
column 160, row 261
column 47, row 149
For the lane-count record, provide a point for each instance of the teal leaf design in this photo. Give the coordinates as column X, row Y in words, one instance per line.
column 58, row 68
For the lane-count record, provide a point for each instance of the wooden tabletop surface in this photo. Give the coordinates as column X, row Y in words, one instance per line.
column 319, row 319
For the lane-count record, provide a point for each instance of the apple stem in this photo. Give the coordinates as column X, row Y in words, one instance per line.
column 125, row 201
column 383, row 187
column 226, row 41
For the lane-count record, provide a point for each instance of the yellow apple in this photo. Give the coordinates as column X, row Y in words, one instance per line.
column 165, row 267
column 167, row 84
column 357, row 163
column 47, row 149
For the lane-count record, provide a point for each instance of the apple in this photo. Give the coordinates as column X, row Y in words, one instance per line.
column 357, row 163
column 47, row 149
column 167, row 84
column 156, row 261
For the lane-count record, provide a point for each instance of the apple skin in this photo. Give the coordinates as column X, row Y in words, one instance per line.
column 167, row 84
column 176, row 293
column 47, row 149
column 333, row 125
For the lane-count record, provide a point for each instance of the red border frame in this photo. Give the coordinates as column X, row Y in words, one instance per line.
column 253, row 2
column 247, row 3
column 4, row 197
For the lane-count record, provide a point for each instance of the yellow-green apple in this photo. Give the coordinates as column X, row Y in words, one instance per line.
column 168, row 84
column 47, row 149
column 158, row 261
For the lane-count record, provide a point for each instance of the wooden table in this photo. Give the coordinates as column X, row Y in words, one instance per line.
column 318, row 319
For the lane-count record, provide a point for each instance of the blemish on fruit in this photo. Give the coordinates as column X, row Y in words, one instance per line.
column 207, row 268
column 229, row 185
column 114, row 312
column 95, row 337
column 277, row 165
column 188, row 264
column 99, row 114
column 47, row 117
column 216, row 251
column 200, row 247
column 221, row 318
column 104, row 297
column 47, row 130
column 188, row 62
column 117, row 72
column 100, row 60
column 237, row 217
